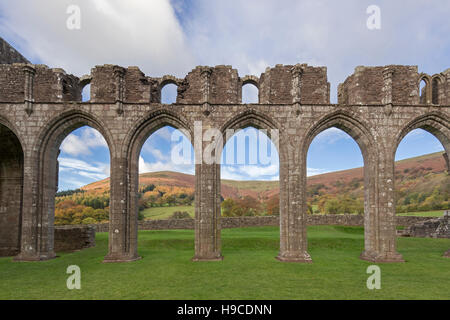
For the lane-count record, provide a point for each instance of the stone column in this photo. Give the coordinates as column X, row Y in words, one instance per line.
column 207, row 195
column 297, row 73
column 37, row 229
column 446, row 86
column 206, row 87
column 207, row 213
column 380, row 225
column 123, row 220
column 293, row 239
column 119, row 73
column 387, row 90
column 29, row 72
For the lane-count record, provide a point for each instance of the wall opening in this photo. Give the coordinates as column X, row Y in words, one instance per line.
column 169, row 93
column 11, row 191
column 83, row 187
column 335, row 170
column 166, row 176
column 86, row 93
column 422, row 183
column 250, row 175
column 423, row 90
column 250, row 93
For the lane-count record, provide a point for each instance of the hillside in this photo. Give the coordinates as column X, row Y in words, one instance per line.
column 422, row 185
column 418, row 174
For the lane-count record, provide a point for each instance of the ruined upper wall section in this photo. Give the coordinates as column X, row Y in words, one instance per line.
column 36, row 83
column 9, row 55
column 290, row 84
column 282, row 84
column 394, row 84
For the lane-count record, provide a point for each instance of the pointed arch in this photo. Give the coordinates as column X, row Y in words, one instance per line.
column 46, row 151
column 435, row 123
column 354, row 127
column 360, row 132
column 11, row 189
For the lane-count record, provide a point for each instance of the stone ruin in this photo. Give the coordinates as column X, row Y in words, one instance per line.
column 40, row 106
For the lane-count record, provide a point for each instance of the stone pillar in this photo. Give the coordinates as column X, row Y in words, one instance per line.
column 297, row 73
column 207, row 193
column 206, row 83
column 293, row 239
column 123, row 220
column 380, row 225
column 29, row 72
column 207, row 213
column 37, row 225
column 387, row 86
column 446, row 88
column 119, row 73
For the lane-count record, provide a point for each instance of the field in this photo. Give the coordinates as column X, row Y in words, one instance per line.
column 437, row 213
column 166, row 212
column 249, row 270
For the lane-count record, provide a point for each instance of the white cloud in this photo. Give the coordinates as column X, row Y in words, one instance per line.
column 250, row 172
column 82, row 145
column 98, row 168
column 251, row 34
column 331, row 136
column 164, row 166
column 77, row 173
column 315, row 171
column 133, row 32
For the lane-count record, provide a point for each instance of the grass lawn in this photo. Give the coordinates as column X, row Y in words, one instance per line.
column 437, row 213
column 249, row 270
column 166, row 212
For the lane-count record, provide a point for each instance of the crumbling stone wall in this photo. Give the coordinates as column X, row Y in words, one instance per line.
column 431, row 228
column 377, row 106
column 72, row 238
column 263, row 221
column 393, row 84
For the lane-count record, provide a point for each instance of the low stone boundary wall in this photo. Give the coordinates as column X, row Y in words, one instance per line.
column 241, row 222
column 74, row 237
column 432, row 228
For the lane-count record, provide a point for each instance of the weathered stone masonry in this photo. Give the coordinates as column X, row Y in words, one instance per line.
column 40, row 106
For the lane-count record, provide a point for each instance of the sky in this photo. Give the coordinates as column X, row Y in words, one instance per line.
column 172, row 37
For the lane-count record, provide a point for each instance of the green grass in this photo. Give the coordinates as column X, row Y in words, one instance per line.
column 166, row 212
column 437, row 213
column 249, row 270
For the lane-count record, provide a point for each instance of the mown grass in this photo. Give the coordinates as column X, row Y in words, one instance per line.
column 248, row 271
column 166, row 212
column 437, row 213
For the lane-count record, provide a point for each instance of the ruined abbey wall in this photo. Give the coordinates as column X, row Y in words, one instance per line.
column 40, row 106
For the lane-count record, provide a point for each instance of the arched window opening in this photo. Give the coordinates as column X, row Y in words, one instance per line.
column 250, row 174
column 86, row 93
column 250, row 93
column 422, row 184
column 335, row 170
column 83, row 189
column 166, row 176
column 423, row 88
column 169, row 93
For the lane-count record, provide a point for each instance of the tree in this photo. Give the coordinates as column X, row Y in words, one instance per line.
column 273, row 205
